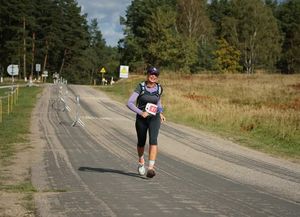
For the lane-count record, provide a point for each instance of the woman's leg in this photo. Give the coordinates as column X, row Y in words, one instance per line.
column 140, row 151
column 141, row 130
column 141, row 165
column 153, row 149
column 152, row 155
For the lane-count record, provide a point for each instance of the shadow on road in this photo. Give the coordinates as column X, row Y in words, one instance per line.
column 106, row 170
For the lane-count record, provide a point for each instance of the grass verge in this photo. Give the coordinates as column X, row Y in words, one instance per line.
column 14, row 137
column 259, row 111
column 24, row 187
column 15, row 126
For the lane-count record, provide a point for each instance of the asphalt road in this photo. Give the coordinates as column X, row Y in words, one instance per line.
column 91, row 170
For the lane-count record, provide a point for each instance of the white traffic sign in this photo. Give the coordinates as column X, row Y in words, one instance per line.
column 124, row 70
column 45, row 74
column 38, row 67
column 13, row 70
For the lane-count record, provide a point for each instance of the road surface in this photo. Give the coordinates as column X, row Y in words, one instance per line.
column 90, row 169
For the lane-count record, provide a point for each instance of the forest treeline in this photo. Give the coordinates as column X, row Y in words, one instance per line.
column 55, row 34
column 223, row 36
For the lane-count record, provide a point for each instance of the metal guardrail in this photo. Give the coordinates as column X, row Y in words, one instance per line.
column 66, row 103
column 77, row 116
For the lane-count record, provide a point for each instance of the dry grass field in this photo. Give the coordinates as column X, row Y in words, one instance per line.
column 261, row 111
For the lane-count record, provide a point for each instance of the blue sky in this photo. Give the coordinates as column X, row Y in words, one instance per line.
column 108, row 14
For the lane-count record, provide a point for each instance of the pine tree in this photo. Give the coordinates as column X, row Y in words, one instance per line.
column 218, row 11
column 11, row 32
column 52, row 33
column 134, row 47
column 96, row 52
column 163, row 43
column 288, row 15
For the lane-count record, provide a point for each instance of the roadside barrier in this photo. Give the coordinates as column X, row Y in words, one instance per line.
column 77, row 116
column 66, row 103
column 8, row 102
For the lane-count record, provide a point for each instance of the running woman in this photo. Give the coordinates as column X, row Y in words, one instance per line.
column 146, row 103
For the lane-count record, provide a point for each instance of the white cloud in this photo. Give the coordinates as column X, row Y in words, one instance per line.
column 108, row 13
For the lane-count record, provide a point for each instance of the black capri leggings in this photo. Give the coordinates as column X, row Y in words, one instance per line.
column 142, row 125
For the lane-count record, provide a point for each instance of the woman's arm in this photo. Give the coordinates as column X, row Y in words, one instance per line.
column 159, row 106
column 131, row 103
column 160, row 110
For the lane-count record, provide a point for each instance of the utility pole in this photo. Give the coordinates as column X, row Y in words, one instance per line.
column 24, row 48
column 45, row 57
column 33, row 51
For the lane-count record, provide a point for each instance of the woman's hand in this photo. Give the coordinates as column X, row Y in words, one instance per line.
column 162, row 118
column 145, row 114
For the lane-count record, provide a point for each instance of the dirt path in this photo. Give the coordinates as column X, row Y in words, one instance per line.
column 15, row 204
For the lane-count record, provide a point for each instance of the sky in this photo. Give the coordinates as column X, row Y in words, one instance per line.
column 107, row 13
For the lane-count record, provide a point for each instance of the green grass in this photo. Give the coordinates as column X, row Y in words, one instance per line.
column 14, row 135
column 29, row 204
column 55, row 190
column 27, row 190
column 15, row 127
column 24, row 187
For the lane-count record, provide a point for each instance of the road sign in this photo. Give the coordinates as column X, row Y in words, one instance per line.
column 103, row 70
column 45, row 74
column 13, row 70
column 124, row 71
column 38, row 67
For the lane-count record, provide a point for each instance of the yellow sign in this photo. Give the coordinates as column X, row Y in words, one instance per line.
column 103, row 70
column 124, row 70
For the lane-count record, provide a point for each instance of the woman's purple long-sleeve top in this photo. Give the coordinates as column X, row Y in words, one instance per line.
column 131, row 104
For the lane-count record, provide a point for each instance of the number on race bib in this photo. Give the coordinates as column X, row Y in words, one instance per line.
column 151, row 108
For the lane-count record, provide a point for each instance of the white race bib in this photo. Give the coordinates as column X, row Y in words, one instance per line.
column 151, row 108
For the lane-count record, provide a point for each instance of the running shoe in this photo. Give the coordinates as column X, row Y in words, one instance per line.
column 150, row 173
column 141, row 169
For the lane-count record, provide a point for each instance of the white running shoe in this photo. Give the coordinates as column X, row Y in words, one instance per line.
column 141, row 169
